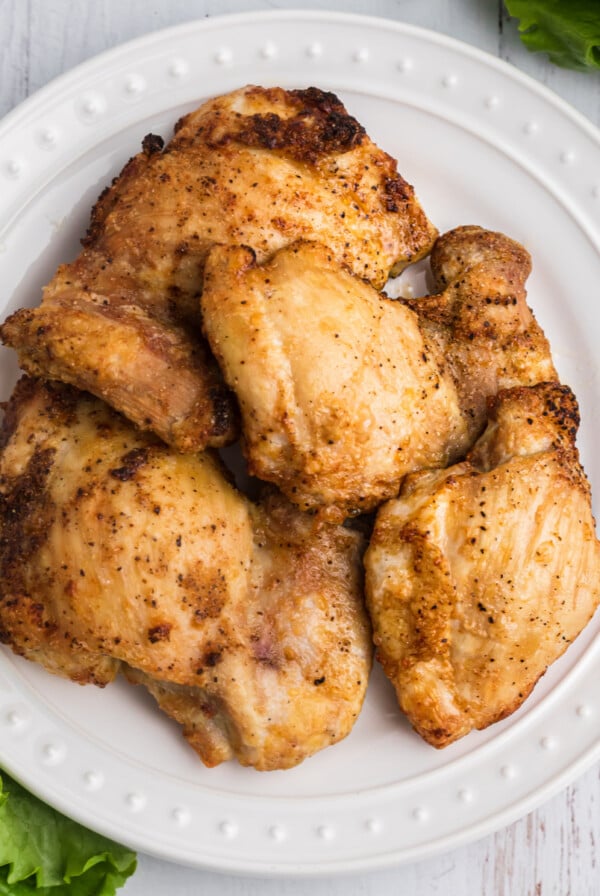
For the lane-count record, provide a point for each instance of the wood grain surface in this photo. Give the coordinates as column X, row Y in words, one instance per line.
column 551, row 851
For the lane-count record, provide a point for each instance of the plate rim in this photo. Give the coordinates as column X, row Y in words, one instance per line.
column 99, row 60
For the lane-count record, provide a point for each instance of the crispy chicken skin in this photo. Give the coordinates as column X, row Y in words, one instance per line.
column 149, row 365
column 245, row 621
column 259, row 167
column 480, row 575
column 342, row 391
column 339, row 395
column 479, row 323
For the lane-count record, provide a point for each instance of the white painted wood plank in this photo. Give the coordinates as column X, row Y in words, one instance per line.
column 551, row 851
column 14, row 58
column 45, row 39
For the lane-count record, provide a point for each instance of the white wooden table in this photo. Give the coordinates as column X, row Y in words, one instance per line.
column 552, row 850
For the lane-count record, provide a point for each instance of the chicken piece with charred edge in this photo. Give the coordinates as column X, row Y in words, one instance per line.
column 480, row 575
column 342, row 391
column 261, row 167
column 245, row 621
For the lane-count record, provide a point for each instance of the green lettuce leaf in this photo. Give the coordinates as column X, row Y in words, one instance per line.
column 568, row 30
column 43, row 853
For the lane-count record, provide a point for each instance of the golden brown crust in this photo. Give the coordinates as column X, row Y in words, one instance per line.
column 465, row 247
column 480, row 575
column 318, row 126
column 479, row 324
column 109, row 197
column 245, row 621
column 342, row 391
column 338, row 393
column 160, row 377
column 259, row 167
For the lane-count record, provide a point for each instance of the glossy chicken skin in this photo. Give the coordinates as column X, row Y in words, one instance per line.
column 480, row 575
column 258, row 167
column 245, row 622
column 342, row 391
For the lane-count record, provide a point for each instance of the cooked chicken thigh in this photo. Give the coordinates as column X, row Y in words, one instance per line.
column 478, row 323
column 479, row 576
column 146, row 363
column 258, row 167
column 339, row 394
column 343, row 392
column 245, row 621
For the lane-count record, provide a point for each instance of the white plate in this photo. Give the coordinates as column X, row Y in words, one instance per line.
column 483, row 144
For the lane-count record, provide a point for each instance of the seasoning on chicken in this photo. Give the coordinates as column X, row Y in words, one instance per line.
column 479, row 576
column 258, row 167
column 478, row 321
column 245, row 622
column 342, row 391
